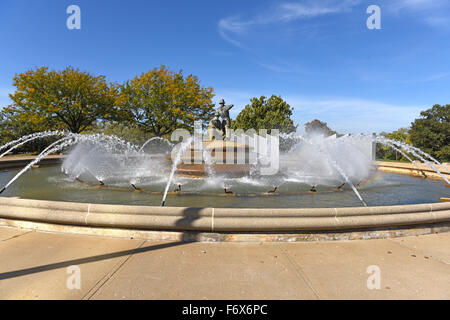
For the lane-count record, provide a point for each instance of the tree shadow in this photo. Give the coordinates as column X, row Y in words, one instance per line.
column 65, row 264
column 190, row 215
column 185, row 223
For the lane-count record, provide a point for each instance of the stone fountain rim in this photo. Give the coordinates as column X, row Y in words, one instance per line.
column 222, row 219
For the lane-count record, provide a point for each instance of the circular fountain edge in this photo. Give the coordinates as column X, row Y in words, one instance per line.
column 214, row 224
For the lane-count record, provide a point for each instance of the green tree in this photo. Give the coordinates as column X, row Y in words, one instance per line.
column 317, row 126
column 121, row 130
column 263, row 113
column 387, row 153
column 431, row 132
column 160, row 101
column 13, row 127
column 68, row 99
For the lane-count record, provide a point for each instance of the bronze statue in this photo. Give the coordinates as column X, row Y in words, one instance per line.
column 224, row 126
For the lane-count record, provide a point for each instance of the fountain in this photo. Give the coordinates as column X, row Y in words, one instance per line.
column 222, row 168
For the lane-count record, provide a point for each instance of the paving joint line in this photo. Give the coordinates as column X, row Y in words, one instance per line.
column 17, row 236
column 300, row 273
column 100, row 283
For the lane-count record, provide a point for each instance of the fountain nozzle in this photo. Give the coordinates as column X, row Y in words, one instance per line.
column 163, row 203
column 227, row 192
column 134, row 187
column 3, row 189
column 79, row 180
column 101, row 182
column 313, row 189
column 273, row 191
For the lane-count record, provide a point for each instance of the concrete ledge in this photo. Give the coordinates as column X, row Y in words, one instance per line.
column 409, row 169
column 18, row 162
column 221, row 219
column 192, row 236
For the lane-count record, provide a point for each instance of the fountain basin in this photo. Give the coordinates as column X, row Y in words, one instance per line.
column 211, row 223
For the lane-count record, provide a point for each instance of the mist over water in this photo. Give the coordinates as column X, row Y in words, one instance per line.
column 332, row 170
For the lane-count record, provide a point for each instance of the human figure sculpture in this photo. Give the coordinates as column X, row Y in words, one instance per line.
column 224, row 113
column 214, row 127
column 224, row 126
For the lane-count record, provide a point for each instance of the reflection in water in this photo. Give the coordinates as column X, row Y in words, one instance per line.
column 48, row 183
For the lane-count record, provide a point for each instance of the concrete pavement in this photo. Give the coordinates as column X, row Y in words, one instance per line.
column 33, row 265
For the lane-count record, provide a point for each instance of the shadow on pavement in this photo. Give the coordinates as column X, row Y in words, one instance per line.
column 64, row 264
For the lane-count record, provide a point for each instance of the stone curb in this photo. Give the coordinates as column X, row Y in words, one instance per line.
column 221, row 220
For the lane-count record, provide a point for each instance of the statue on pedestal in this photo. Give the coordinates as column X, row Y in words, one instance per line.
column 224, row 126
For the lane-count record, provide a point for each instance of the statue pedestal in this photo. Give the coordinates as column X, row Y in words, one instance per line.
column 223, row 158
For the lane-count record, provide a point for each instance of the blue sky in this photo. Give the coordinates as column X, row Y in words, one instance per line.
column 318, row 55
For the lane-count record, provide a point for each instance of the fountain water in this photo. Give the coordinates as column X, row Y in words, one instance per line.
column 413, row 150
column 19, row 142
column 335, row 165
column 155, row 139
column 316, row 161
column 175, row 164
column 54, row 147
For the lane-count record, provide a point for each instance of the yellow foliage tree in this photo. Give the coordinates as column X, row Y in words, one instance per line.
column 160, row 101
column 68, row 99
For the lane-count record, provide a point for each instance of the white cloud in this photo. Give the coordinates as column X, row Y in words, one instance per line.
column 282, row 67
column 233, row 25
column 435, row 77
column 431, row 12
column 283, row 12
column 309, row 9
column 353, row 115
column 416, row 4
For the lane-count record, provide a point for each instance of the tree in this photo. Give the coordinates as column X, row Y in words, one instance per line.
column 263, row 113
column 12, row 127
column 61, row 99
column 387, row 153
column 317, row 126
column 160, row 101
column 431, row 132
column 121, row 130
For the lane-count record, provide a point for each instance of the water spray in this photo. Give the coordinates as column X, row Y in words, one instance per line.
column 336, row 166
column 413, row 150
column 175, row 164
